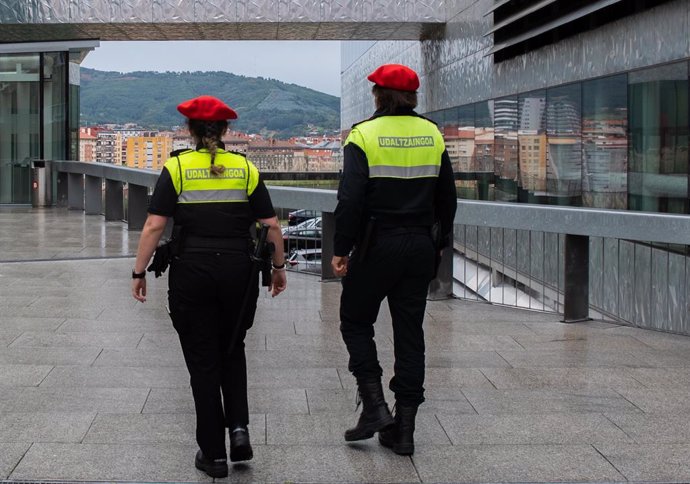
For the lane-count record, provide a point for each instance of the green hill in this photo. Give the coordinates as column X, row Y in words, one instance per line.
column 150, row 99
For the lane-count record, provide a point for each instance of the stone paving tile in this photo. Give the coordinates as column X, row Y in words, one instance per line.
column 649, row 462
column 328, row 429
column 81, row 399
column 485, row 312
column 472, row 342
column 572, row 359
column 39, row 339
column 136, row 314
column 662, row 377
column 178, row 428
column 44, row 426
column 302, row 342
column 114, row 326
column 149, row 358
column 357, row 462
column 517, row 402
column 465, row 359
column 117, row 377
column 170, row 341
column 108, row 462
column 513, row 463
column 659, row 400
column 29, row 324
column 49, row 356
column 293, row 378
column 261, row 400
column 16, row 301
column 591, row 342
column 496, row 328
column 655, row 339
column 304, row 358
column 446, row 401
column 574, row 378
column 23, row 375
column 654, row 429
column 10, row 455
column 62, row 312
column 531, row 429
column 7, row 337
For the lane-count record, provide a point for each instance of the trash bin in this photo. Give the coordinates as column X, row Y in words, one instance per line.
column 41, row 183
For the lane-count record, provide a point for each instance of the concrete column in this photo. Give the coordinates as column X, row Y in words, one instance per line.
column 327, row 233
column 62, row 191
column 442, row 286
column 94, row 195
column 114, row 200
column 75, row 191
column 137, row 206
column 576, row 303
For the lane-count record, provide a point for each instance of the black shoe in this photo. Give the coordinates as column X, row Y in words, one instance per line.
column 375, row 414
column 240, row 448
column 400, row 436
column 212, row 467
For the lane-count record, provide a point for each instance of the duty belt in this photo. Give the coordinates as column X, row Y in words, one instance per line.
column 385, row 231
column 196, row 244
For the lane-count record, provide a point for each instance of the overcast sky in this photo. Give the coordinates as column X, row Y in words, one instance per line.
column 314, row 64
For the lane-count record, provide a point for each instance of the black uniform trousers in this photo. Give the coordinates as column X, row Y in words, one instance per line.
column 399, row 266
column 205, row 295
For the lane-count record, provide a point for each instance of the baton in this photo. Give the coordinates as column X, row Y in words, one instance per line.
column 257, row 262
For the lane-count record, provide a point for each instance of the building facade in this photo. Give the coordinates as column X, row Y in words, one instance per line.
column 148, row 152
column 39, row 109
column 579, row 105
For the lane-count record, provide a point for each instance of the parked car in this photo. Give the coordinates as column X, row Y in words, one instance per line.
column 298, row 216
column 308, row 260
column 301, row 238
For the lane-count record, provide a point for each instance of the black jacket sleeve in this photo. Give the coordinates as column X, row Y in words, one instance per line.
column 351, row 199
column 445, row 199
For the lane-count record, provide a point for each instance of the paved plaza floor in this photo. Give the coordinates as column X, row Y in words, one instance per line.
column 93, row 385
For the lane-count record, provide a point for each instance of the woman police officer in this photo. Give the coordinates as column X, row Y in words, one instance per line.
column 214, row 196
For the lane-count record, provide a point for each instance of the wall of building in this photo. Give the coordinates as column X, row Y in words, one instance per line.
column 544, row 133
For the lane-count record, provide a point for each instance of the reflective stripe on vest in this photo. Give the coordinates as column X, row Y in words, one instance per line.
column 405, row 147
column 392, row 171
column 190, row 196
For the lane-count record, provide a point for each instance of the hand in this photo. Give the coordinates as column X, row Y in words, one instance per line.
column 278, row 282
column 139, row 289
column 339, row 265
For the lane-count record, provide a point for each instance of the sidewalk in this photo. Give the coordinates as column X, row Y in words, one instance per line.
column 93, row 386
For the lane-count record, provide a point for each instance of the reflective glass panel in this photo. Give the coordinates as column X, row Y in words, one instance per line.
column 564, row 145
column 605, row 142
column 506, row 148
column 55, row 71
column 532, row 147
column 19, row 124
column 484, row 149
column 658, row 105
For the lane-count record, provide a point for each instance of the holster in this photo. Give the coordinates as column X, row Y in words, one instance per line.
column 368, row 239
column 165, row 252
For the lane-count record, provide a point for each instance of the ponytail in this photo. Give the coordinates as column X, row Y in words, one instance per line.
column 209, row 134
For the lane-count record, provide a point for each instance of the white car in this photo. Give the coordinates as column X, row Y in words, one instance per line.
column 308, row 260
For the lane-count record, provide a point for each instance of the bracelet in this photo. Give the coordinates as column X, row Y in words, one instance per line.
column 280, row 269
column 276, row 266
column 138, row 275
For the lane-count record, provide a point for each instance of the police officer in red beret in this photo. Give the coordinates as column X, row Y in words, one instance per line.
column 397, row 183
column 214, row 196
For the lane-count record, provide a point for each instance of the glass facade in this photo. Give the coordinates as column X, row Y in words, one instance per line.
column 20, row 124
column 616, row 142
column 33, row 118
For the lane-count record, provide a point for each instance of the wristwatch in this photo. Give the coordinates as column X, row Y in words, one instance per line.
column 138, row 275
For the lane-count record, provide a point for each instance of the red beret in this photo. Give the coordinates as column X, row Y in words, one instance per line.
column 395, row 76
column 206, row 108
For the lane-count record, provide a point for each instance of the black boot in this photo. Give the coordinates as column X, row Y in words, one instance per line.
column 400, row 437
column 375, row 414
column 240, row 448
column 212, row 467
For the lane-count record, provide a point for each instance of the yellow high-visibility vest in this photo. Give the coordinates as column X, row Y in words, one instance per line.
column 399, row 146
column 195, row 183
